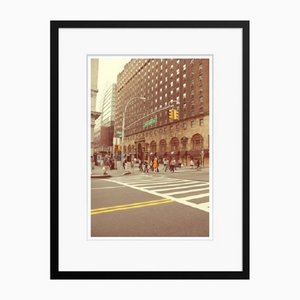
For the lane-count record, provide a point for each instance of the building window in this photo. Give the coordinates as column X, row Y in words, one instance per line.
column 201, row 122
column 184, row 67
column 153, row 146
column 177, row 71
column 192, row 123
column 174, row 143
column 162, row 147
column 197, row 142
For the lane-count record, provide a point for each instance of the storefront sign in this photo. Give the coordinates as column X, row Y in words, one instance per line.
column 150, row 122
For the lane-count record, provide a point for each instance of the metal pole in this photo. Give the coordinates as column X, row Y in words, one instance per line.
column 122, row 143
column 123, row 124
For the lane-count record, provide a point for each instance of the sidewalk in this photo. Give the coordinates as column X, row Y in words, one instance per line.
column 98, row 172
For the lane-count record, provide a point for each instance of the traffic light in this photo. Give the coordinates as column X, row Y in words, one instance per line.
column 171, row 114
column 176, row 114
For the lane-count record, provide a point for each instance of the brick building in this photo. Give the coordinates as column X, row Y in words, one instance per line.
column 148, row 130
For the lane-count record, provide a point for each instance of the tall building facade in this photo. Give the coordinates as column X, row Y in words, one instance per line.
column 163, row 83
column 104, row 131
column 93, row 95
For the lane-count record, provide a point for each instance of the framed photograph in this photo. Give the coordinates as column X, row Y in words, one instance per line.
column 149, row 150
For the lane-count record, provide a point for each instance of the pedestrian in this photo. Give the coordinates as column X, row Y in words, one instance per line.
column 167, row 166
column 151, row 165
column 124, row 163
column 173, row 165
column 198, row 164
column 146, row 167
column 155, row 164
column 112, row 164
column 192, row 163
column 202, row 158
column 106, row 167
column 141, row 165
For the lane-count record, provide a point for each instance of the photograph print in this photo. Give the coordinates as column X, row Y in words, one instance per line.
column 149, row 155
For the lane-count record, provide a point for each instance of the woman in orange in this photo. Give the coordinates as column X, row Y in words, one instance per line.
column 155, row 164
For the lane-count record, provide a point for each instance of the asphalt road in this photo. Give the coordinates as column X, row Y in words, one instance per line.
column 150, row 205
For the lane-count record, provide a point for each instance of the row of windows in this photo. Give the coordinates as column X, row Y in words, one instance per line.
column 184, row 125
column 162, row 116
column 160, row 80
column 131, row 69
column 159, row 89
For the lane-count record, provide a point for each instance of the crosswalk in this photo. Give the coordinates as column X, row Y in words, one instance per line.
column 188, row 192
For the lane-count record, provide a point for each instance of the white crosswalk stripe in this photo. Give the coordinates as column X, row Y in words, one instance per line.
column 188, row 192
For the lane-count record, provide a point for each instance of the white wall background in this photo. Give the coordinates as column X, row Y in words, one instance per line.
column 24, row 160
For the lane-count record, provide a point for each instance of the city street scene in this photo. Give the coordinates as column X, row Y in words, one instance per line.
column 149, row 147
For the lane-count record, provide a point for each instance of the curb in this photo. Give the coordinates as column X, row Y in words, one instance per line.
column 100, row 176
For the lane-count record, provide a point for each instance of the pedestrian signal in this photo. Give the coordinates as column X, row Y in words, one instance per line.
column 171, row 114
column 176, row 114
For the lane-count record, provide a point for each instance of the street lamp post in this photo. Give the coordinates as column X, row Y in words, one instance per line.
column 123, row 124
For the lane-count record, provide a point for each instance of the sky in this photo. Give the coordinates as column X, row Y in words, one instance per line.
column 109, row 68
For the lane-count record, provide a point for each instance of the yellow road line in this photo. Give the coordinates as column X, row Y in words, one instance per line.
column 129, row 206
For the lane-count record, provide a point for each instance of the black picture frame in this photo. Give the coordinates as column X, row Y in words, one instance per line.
column 55, row 273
